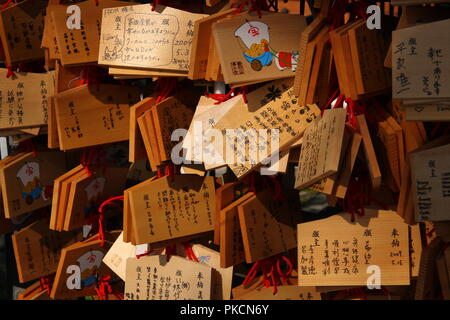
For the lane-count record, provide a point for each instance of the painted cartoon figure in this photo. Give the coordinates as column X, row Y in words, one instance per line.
column 32, row 189
column 89, row 264
column 259, row 53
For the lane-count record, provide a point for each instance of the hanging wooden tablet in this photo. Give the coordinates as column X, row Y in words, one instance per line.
column 258, row 49
column 307, row 35
column 417, row 52
column 168, row 116
column 415, row 249
column 93, row 115
column 49, row 39
column 87, row 256
column 343, row 180
column 24, row 99
column 116, row 258
column 231, row 245
column 21, row 29
column 270, row 106
column 66, row 186
column 267, row 226
column 213, row 68
column 285, row 292
column 225, row 195
column 172, row 207
column 137, row 148
column 124, row 42
column 37, row 249
column 414, row 15
column 53, row 139
column 88, row 192
column 80, row 46
column 430, row 183
column 369, row 152
column 27, row 183
column 57, row 193
column 320, row 78
column 221, row 277
column 148, row 134
column 336, row 251
column 160, row 278
column 321, row 148
column 196, row 142
column 343, row 65
column 34, row 292
column 201, row 44
column 330, row 184
column 313, row 49
column 368, row 49
column 426, row 282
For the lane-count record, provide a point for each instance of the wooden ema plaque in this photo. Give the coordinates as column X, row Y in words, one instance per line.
column 335, row 251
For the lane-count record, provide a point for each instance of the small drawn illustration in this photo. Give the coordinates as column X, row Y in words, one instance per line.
column 258, row 52
column 32, row 188
column 204, row 259
column 116, row 44
column 89, row 264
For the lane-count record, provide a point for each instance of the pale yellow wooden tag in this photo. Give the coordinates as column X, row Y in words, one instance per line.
column 91, row 115
column 172, row 207
column 335, row 251
column 321, row 148
column 136, row 36
column 24, row 100
column 149, row 278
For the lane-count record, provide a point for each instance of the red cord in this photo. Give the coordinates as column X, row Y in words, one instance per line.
column 329, row 101
column 146, row 253
column 103, row 288
column 101, row 234
column 166, row 86
column 189, row 252
column 86, row 162
column 219, row 97
column 6, row 5
column 154, row 4
column 271, row 272
column 46, row 283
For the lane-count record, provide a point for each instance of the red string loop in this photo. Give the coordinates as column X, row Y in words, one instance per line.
column 110, row 201
column 154, row 4
column 189, row 252
column 219, row 97
column 166, row 86
column 271, row 272
column 6, row 5
column 46, row 283
column 103, row 288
